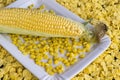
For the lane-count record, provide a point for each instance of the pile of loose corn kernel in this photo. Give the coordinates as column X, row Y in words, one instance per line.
column 105, row 67
column 51, row 53
column 11, row 69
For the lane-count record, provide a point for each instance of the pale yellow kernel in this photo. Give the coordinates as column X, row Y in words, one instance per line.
column 51, row 73
column 67, row 64
column 41, row 7
column 60, row 71
column 67, row 54
column 56, row 61
column 50, row 61
column 82, row 55
column 46, row 11
column 52, row 12
column 31, row 6
column 62, row 51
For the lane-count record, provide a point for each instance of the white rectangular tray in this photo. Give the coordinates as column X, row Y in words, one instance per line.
column 39, row 71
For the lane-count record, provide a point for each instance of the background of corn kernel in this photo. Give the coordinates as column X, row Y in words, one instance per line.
column 105, row 67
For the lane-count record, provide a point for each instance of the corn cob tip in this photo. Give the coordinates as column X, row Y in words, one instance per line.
column 100, row 30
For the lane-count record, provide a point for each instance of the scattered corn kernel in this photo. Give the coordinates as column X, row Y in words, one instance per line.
column 31, row 6
column 82, row 55
column 62, row 51
column 32, row 56
column 42, row 7
column 50, row 61
column 46, row 11
column 38, row 52
column 52, row 12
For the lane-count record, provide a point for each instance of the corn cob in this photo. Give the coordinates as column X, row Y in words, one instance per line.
column 33, row 22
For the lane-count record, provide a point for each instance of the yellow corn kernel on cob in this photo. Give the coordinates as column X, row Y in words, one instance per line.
column 34, row 22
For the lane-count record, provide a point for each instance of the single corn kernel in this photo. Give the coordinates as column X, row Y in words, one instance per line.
column 87, row 47
column 51, row 53
column 55, row 55
column 74, row 50
column 42, row 7
column 67, row 64
column 31, row 6
column 67, row 54
column 45, row 56
column 54, row 70
column 38, row 63
column 82, row 55
column 79, row 51
column 25, row 52
column 52, row 12
column 21, row 48
column 71, row 63
column 50, row 61
column 39, row 57
column 59, row 71
column 74, row 59
column 51, row 73
column 42, row 64
column 56, row 50
column 65, row 61
column 48, row 66
column 71, row 55
column 62, row 51
column 46, row 11
column 56, row 62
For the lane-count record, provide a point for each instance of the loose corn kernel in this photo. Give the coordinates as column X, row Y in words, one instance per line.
column 51, row 73
column 46, row 11
column 32, row 56
column 39, row 57
column 67, row 64
column 50, row 61
column 82, row 55
column 79, row 50
column 42, row 7
column 54, row 70
column 74, row 50
column 45, row 56
column 42, row 64
column 38, row 63
column 71, row 55
column 62, row 51
column 56, row 61
column 60, row 71
column 67, row 54
column 52, row 12
column 31, row 6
